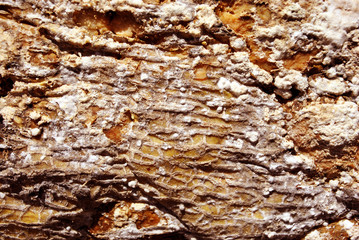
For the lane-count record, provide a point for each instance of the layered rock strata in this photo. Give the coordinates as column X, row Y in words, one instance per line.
column 159, row 119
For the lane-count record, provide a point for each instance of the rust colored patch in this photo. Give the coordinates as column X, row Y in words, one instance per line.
column 303, row 137
column 335, row 231
column 115, row 133
column 49, row 59
column 147, row 218
column 330, row 165
column 104, row 224
column 299, row 61
column 260, row 56
column 239, row 16
column 123, row 214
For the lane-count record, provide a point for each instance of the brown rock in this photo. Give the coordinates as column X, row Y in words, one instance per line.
column 179, row 119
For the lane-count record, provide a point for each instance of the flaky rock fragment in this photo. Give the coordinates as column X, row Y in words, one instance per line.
column 344, row 229
column 184, row 119
column 135, row 220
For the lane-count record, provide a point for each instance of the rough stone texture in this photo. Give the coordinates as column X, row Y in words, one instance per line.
column 159, row 119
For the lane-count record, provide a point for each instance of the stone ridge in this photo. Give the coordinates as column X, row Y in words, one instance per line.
column 160, row 119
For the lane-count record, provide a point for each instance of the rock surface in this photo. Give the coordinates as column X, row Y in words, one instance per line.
column 187, row 119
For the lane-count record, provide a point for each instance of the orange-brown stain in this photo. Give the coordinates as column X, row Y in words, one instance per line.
column 122, row 24
column 334, row 231
column 115, row 133
column 104, row 224
column 300, row 60
column 147, row 218
column 156, row 1
column 238, row 14
column 91, row 115
column 240, row 17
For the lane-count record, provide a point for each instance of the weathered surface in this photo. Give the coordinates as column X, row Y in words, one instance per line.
column 181, row 119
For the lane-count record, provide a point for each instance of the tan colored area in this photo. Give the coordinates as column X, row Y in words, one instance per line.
column 244, row 17
column 123, row 24
column 156, row 1
column 241, row 16
column 300, row 61
column 330, row 160
column 15, row 213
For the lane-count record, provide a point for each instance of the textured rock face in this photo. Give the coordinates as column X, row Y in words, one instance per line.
column 151, row 119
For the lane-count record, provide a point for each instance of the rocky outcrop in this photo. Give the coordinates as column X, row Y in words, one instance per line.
column 151, row 119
